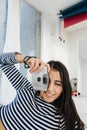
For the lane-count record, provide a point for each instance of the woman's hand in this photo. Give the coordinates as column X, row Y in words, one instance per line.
column 37, row 65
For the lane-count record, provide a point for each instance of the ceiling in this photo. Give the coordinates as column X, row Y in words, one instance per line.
column 52, row 7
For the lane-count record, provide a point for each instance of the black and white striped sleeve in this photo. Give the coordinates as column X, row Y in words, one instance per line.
column 18, row 81
column 7, row 58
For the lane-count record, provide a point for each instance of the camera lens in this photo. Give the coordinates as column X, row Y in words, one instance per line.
column 38, row 79
column 44, row 80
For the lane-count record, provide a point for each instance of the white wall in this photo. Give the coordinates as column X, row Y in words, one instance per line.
column 75, row 65
column 83, row 64
column 84, row 78
column 52, row 48
column 74, row 46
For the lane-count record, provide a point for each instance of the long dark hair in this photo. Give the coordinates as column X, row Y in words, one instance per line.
column 73, row 121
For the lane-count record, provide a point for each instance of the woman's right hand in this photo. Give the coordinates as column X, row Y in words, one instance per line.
column 37, row 64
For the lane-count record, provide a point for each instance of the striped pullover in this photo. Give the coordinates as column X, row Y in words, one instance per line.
column 27, row 111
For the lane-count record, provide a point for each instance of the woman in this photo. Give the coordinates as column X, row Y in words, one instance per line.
column 67, row 106
column 52, row 109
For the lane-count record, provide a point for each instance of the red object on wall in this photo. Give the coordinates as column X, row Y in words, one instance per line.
column 75, row 19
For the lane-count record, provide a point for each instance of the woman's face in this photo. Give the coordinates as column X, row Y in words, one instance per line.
column 54, row 89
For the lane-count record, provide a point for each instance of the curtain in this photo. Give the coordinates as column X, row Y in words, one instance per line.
column 12, row 43
column 75, row 9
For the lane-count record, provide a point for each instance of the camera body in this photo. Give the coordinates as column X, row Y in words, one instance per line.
column 40, row 80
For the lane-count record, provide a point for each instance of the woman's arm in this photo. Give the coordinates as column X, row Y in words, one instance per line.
column 7, row 58
column 35, row 64
column 13, row 74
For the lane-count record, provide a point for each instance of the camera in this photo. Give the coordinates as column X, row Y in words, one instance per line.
column 40, row 80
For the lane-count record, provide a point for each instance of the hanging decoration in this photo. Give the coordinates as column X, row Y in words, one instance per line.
column 61, row 29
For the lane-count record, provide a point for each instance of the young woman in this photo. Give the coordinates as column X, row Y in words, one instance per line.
column 52, row 109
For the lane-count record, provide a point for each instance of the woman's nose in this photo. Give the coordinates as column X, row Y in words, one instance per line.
column 50, row 87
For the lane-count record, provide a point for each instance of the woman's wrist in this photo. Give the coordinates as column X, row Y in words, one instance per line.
column 25, row 61
column 19, row 57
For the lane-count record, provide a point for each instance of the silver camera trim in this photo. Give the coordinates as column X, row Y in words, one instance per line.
column 40, row 80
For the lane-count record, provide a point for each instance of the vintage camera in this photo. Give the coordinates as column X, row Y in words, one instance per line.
column 40, row 80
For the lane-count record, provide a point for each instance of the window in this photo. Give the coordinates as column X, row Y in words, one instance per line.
column 30, row 30
column 3, row 21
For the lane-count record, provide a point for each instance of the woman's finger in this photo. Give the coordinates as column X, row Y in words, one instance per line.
column 37, row 65
column 34, row 64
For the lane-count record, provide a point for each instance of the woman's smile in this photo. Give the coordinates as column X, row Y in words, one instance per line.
column 49, row 95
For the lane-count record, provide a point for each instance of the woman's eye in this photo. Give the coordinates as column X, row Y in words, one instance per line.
column 58, row 84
